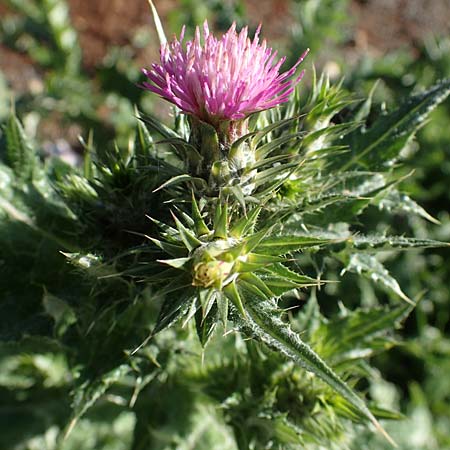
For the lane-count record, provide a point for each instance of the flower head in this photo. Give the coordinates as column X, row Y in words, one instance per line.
column 221, row 79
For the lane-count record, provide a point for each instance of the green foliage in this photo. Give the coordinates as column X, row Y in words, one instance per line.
column 423, row 274
column 155, row 299
column 42, row 30
column 124, row 308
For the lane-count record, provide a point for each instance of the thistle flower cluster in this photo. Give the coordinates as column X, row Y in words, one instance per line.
column 223, row 79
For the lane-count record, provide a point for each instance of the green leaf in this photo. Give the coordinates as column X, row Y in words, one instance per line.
column 231, row 291
column 184, row 149
column 332, row 209
column 263, row 323
column 223, row 307
column 155, row 125
column 176, row 263
column 143, row 142
column 274, row 173
column 264, row 150
column 364, row 109
column 173, row 250
column 221, row 220
column 382, row 243
column 62, row 314
column 199, row 223
column 271, row 161
column 328, row 132
column 236, row 192
column 253, row 241
column 188, row 238
column 260, row 135
column 282, row 271
column 19, row 153
column 179, row 179
column 246, row 224
column 205, row 326
column 281, row 245
column 173, row 309
column 88, row 394
column 381, row 144
column 279, row 279
column 343, row 338
column 371, row 268
column 397, row 202
column 254, row 283
column 255, row 262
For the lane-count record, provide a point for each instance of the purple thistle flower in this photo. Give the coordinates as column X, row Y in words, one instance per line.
column 221, row 79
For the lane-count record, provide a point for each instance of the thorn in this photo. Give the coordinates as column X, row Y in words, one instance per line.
column 145, row 342
column 71, row 426
column 384, row 433
column 159, row 28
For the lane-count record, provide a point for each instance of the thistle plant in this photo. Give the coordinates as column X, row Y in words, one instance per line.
column 178, row 281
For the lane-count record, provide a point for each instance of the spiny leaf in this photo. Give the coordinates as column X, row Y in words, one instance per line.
column 279, row 279
column 364, row 109
column 264, row 150
column 328, row 132
column 167, row 230
column 382, row 143
column 143, row 142
column 253, row 241
column 281, row 245
column 221, row 220
column 259, row 136
column 222, row 306
column 207, row 299
column 279, row 286
column 205, row 325
column 252, row 282
column 90, row 392
column 184, row 150
column 271, row 161
column 237, row 192
column 355, row 183
column 395, row 201
column 176, row 263
column 188, row 238
column 252, row 266
column 199, row 223
column 370, row 267
column 159, row 127
column 381, row 243
column 173, row 250
column 19, row 152
column 283, row 272
column 255, row 258
column 264, row 324
column 274, row 173
column 247, row 224
column 334, row 209
column 341, row 338
column 179, row 179
column 173, row 309
column 231, row 291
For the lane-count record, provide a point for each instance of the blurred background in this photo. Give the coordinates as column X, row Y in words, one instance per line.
column 74, row 64
column 71, row 67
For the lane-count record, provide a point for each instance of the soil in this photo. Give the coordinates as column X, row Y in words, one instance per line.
column 385, row 25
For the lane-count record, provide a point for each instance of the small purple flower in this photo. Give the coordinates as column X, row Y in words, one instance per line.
column 221, row 79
